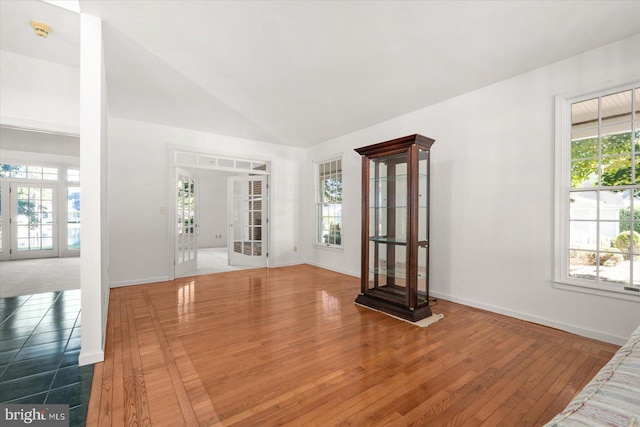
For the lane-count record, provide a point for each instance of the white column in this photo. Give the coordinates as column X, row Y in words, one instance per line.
column 93, row 277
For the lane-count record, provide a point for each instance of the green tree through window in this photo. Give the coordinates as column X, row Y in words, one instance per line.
column 616, row 159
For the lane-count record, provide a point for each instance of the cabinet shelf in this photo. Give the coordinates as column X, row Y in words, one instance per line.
column 386, row 208
column 398, row 273
column 393, row 178
column 393, row 291
column 388, row 240
column 380, row 209
column 400, row 177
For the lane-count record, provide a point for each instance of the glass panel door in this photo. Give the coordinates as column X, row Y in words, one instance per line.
column 246, row 243
column 73, row 218
column 4, row 221
column 387, row 227
column 34, row 221
column 423, row 227
column 187, row 224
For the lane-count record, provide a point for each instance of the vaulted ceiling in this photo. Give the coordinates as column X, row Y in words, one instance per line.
column 299, row 73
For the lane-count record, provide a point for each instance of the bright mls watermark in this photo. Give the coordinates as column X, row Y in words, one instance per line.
column 34, row 415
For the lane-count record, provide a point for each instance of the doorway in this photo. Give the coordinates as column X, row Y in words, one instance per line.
column 39, row 212
column 205, row 244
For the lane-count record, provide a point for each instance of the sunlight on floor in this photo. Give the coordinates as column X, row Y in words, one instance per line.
column 214, row 260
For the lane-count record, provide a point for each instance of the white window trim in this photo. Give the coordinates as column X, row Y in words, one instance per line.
column 326, row 247
column 316, row 186
column 562, row 185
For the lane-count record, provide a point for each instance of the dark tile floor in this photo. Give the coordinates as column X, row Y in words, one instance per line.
column 39, row 348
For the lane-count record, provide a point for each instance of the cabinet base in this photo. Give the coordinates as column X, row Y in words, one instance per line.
column 394, row 310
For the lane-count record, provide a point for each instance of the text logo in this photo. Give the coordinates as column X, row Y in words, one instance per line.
column 34, row 415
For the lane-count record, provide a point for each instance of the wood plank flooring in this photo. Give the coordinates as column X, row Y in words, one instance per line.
column 288, row 346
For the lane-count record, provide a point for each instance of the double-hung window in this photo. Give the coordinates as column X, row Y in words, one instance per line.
column 329, row 203
column 597, row 238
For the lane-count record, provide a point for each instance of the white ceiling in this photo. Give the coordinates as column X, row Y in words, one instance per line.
column 299, row 73
column 16, row 34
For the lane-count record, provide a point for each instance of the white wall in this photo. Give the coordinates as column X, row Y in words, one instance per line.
column 38, row 148
column 140, row 175
column 39, row 142
column 38, row 94
column 212, row 208
column 93, row 139
column 492, row 195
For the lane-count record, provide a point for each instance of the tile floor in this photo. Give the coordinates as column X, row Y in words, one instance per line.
column 39, row 347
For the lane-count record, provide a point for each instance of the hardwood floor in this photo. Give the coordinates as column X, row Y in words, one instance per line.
column 288, row 346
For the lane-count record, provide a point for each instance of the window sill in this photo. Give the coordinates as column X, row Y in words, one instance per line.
column 615, row 291
column 333, row 248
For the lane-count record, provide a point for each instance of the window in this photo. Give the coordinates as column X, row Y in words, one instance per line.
column 39, row 209
column 73, row 218
column 73, row 175
column 28, row 172
column 598, row 191
column 34, row 219
column 329, row 203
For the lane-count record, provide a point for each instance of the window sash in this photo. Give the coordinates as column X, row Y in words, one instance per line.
column 329, row 202
column 565, row 190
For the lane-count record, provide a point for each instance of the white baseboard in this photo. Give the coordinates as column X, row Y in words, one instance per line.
column 284, row 264
column 139, row 281
column 88, row 358
column 337, row 270
column 600, row 336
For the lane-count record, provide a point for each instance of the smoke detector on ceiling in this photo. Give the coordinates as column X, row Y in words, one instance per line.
column 41, row 29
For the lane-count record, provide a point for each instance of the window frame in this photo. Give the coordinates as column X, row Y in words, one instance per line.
column 562, row 191
column 317, row 240
column 30, row 172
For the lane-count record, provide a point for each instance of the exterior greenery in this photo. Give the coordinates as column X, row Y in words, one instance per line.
column 625, row 217
column 616, row 159
column 623, row 242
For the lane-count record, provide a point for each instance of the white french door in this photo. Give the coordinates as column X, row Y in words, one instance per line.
column 5, row 225
column 33, row 221
column 186, row 256
column 247, row 205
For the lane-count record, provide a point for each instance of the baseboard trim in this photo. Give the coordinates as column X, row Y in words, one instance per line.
column 90, row 357
column 284, row 264
column 337, row 270
column 139, row 281
column 588, row 333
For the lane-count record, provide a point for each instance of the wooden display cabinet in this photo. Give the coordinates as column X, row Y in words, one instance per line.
column 395, row 227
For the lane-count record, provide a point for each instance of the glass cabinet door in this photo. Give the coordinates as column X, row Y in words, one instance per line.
column 388, row 227
column 423, row 228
